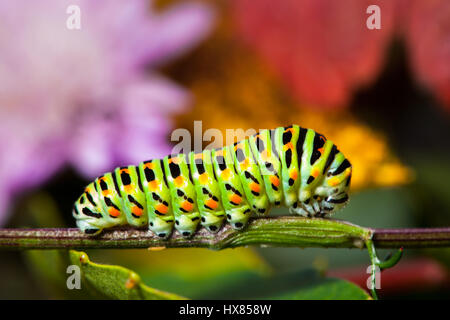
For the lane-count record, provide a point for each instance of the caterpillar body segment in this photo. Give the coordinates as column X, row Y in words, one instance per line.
column 269, row 164
column 291, row 166
column 183, row 195
column 289, row 141
column 207, row 190
column 132, row 195
column 234, row 201
column 249, row 173
column 157, row 197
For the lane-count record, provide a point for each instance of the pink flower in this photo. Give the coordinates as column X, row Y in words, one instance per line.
column 87, row 97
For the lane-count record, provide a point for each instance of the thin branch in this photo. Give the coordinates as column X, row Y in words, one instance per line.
column 276, row 232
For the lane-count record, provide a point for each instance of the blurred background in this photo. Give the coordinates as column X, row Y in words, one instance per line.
column 78, row 98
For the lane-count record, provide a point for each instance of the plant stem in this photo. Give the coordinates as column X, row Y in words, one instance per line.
column 276, row 232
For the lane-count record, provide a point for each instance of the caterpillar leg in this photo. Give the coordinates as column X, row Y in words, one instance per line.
column 187, row 224
column 161, row 227
column 300, row 209
column 238, row 217
column 88, row 227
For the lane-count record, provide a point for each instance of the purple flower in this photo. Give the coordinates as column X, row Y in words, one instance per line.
column 88, row 97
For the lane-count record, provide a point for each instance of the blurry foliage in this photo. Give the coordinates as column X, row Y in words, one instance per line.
column 194, row 273
column 328, row 289
column 114, row 282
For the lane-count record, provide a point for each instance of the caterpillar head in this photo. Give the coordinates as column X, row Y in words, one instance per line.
column 161, row 227
column 238, row 217
column 334, row 190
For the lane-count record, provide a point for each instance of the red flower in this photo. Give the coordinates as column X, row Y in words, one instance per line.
column 323, row 50
column 428, row 37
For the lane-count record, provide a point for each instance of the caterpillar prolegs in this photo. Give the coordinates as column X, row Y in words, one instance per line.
column 291, row 166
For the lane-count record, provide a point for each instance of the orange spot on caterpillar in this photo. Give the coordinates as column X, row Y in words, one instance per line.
column 186, row 205
column 293, row 174
column 162, row 208
column 113, row 212
column 179, row 181
column 153, row 185
column 124, row 171
column 334, row 181
column 137, row 211
column 274, row 180
column 129, row 188
column 226, row 174
column 315, row 172
column 149, row 165
column 198, row 156
column 245, row 164
column 288, row 146
column 211, row 203
column 203, row 178
column 235, row 198
column 106, row 192
column 255, row 187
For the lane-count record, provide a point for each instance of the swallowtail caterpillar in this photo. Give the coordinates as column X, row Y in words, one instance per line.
column 287, row 166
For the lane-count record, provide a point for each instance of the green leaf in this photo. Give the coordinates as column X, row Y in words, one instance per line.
column 49, row 270
column 327, row 289
column 115, row 282
column 217, row 271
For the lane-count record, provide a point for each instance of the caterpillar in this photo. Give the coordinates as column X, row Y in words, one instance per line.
column 291, row 166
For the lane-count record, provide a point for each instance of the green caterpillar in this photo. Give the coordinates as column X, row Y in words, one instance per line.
column 290, row 166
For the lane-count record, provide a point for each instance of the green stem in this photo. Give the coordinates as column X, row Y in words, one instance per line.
column 276, row 232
